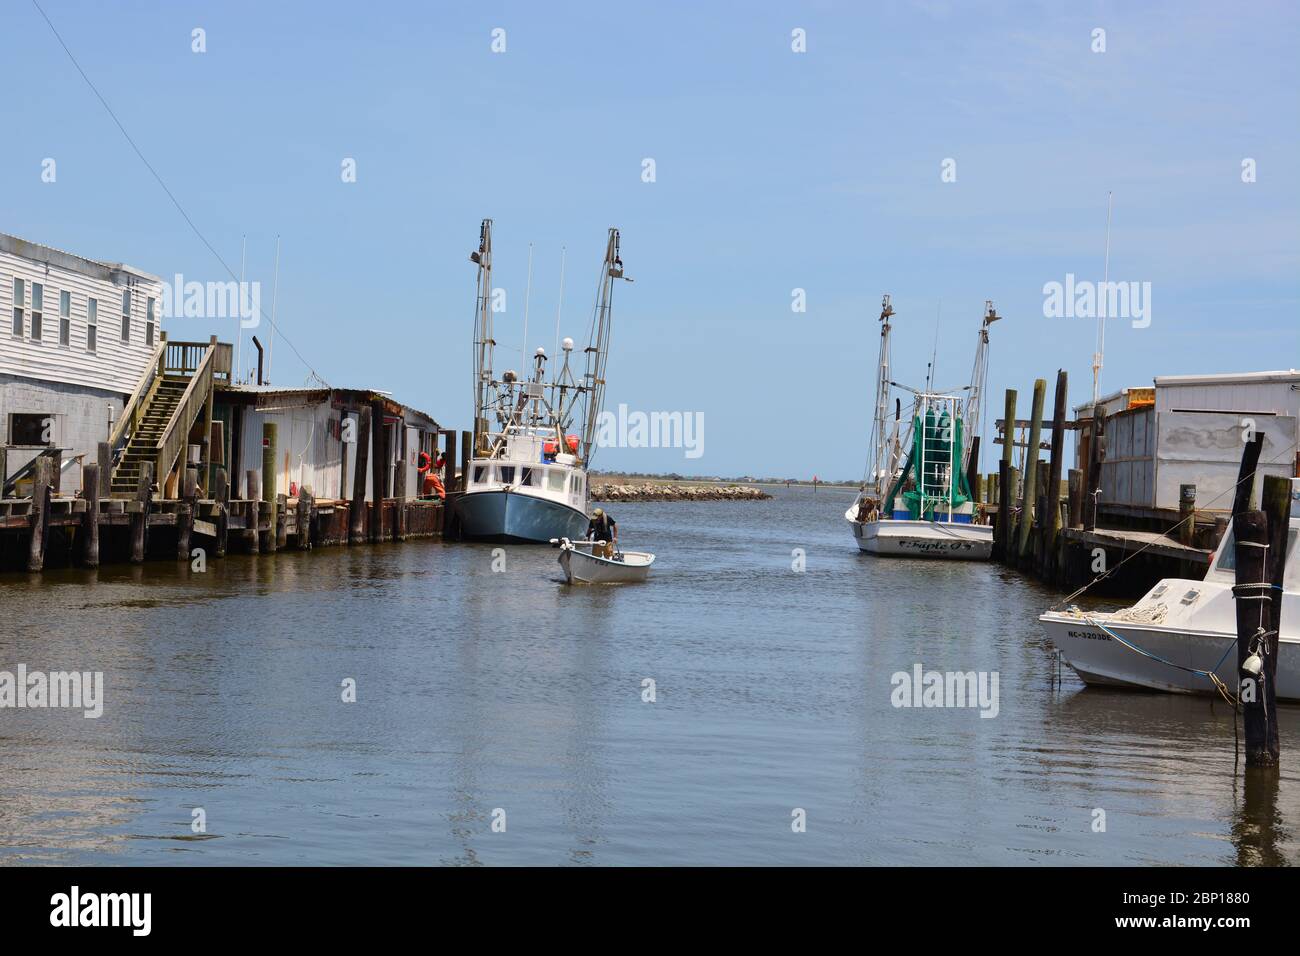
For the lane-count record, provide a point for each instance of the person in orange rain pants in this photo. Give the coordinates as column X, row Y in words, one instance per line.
column 432, row 483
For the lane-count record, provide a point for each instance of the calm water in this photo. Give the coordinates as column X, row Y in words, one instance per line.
column 479, row 690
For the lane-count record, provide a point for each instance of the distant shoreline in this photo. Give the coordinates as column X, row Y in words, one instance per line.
column 619, row 477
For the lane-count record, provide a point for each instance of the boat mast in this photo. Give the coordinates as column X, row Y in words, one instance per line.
column 483, row 341
column 978, row 377
column 598, row 347
column 882, row 465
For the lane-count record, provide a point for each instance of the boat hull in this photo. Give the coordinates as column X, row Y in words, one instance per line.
column 1101, row 660
column 583, row 568
column 924, row 539
column 511, row 517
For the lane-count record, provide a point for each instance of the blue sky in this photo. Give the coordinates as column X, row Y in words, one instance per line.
column 775, row 170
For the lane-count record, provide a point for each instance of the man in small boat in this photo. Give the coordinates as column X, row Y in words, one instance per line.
column 602, row 527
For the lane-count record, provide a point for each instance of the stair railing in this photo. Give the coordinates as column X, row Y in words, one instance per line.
column 150, row 379
column 192, row 403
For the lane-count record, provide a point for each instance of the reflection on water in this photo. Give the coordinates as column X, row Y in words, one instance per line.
column 511, row 696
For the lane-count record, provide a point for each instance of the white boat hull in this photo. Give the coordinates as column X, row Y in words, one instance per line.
column 924, row 539
column 1101, row 660
column 582, row 567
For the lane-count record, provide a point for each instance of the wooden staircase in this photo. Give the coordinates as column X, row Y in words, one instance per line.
column 143, row 443
column 172, row 399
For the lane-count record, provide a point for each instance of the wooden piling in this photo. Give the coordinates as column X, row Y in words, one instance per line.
column 270, row 538
column 304, row 519
column 1075, row 516
column 1002, row 532
column 280, row 517
column 1245, row 488
column 448, row 441
column 1043, row 504
column 1092, row 482
column 1256, row 638
column 1052, row 532
column 185, row 513
column 1031, row 467
column 104, row 454
column 399, row 484
column 42, row 488
column 1186, row 514
column 1276, row 501
column 379, row 470
column 252, row 513
column 140, row 518
column 356, row 533
column 973, row 471
column 223, row 511
column 90, row 520
column 466, row 455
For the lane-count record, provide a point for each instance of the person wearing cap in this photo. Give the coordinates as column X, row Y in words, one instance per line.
column 602, row 527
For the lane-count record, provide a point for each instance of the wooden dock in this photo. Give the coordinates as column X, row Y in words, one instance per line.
column 87, row 530
column 1055, row 528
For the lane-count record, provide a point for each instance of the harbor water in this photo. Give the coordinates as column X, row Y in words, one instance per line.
column 740, row 708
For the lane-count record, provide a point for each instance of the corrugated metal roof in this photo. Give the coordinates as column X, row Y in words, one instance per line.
column 1230, row 378
column 251, row 389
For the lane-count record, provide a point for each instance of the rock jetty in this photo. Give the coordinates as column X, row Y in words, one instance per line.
column 656, row 491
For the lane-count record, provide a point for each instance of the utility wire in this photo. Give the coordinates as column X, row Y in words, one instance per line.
column 170, row 195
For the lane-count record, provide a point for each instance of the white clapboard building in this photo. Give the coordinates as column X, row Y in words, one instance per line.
column 76, row 335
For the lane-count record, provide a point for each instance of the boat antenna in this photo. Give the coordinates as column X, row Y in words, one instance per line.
column 275, row 294
column 239, row 326
column 934, row 353
column 559, row 306
column 1101, row 312
column 528, row 291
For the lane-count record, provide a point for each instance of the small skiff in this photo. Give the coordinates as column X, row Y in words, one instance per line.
column 582, row 566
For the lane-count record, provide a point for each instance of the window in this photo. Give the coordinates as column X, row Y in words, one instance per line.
column 126, row 316
column 31, row 429
column 65, row 318
column 526, row 476
column 38, row 309
column 92, row 324
column 577, row 485
column 20, row 299
column 555, row 480
column 507, row 474
column 150, row 321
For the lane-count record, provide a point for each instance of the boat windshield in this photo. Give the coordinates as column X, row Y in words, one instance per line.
column 1226, row 561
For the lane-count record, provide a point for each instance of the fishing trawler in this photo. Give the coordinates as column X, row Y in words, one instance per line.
column 916, row 498
column 1182, row 631
column 533, row 437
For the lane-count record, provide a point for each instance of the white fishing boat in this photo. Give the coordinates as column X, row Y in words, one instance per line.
column 1181, row 631
column 534, row 438
column 586, row 568
column 918, row 503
